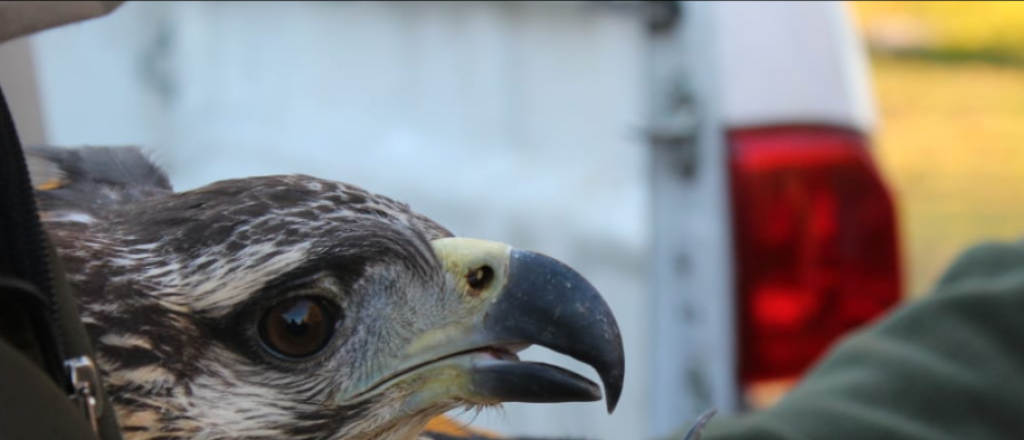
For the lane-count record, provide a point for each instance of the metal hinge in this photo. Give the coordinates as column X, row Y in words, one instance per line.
column 674, row 126
column 85, row 384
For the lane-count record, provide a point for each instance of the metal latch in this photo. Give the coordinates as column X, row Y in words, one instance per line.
column 675, row 124
column 85, row 385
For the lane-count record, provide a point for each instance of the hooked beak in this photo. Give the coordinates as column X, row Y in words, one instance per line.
column 505, row 301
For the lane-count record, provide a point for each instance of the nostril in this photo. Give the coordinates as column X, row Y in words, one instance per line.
column 480, row 277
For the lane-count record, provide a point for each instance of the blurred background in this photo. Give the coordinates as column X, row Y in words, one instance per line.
column 949, row 80
column 745, row 181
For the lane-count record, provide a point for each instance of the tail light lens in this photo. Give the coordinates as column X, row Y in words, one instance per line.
column 816, row 244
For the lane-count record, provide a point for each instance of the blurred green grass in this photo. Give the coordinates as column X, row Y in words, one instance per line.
column 947, row 30
column 951, row 139
column 951, row 143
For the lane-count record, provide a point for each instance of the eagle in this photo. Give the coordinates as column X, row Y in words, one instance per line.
column 292, row 307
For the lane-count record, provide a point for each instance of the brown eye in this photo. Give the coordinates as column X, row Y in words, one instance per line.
column 480, row 277
column 298, row 327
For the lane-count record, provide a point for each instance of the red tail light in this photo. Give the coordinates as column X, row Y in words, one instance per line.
column 816, row 244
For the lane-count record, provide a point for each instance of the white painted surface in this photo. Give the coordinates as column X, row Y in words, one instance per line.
column 506, row 121
column 791, row 61
column 693, row 354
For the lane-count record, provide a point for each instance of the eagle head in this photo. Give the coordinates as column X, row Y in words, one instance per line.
column 291, row 307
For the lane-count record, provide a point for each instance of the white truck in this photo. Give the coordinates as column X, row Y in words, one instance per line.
column 706, row 164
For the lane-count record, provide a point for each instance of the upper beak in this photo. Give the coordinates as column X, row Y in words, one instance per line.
column 504, row 301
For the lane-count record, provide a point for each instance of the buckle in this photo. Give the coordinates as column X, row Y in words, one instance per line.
column 85, row 383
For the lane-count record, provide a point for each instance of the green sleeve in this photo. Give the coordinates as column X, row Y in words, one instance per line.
column 946, row 367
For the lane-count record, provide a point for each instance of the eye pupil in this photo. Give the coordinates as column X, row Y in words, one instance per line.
column 298, row 327
column 299, row 317
column 480, row 277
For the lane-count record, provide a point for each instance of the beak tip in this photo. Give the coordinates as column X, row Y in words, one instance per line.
column 612, row 403
column 613, row 390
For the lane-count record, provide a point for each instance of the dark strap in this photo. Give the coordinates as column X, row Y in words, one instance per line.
column 39, row 317
column 31, row 406
column 24, row 323
column 22, row 249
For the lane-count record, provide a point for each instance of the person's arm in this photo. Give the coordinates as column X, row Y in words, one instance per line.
column 947, row 367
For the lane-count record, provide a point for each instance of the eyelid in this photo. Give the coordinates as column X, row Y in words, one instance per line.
column 329, row 282
column 321, row 284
